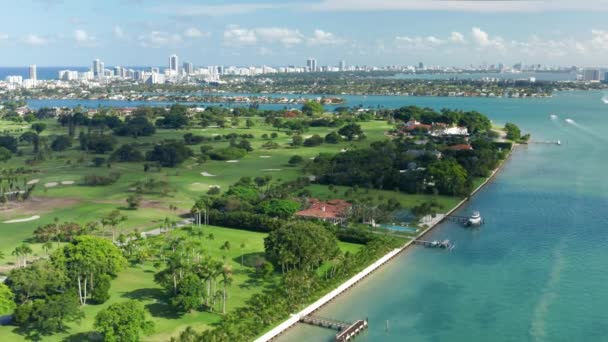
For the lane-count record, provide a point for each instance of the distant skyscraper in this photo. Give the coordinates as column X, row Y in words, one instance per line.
column 173, row 63
column 591, row 75
column 97, row 68
column 342, row 65
column 102, row 69
column 311, row 64
column 421, row 66
column 155, row 70
column 33, row 72
column 188, row 68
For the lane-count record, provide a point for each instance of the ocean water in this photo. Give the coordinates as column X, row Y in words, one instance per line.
column 536, row 271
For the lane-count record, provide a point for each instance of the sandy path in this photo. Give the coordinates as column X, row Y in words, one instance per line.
column 27, row 219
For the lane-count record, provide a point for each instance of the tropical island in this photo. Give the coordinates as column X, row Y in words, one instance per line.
column 174, row 222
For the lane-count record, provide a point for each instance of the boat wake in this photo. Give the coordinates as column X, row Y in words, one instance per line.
column 553, row 117
column 605, row 99
column 586, row 130
column 538, row 328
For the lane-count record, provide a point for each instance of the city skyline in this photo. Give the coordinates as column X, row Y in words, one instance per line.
column 238, row 33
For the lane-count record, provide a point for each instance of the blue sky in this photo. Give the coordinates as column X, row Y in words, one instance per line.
column 379, row 32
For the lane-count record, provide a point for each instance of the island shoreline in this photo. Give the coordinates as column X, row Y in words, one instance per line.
column 345, row 286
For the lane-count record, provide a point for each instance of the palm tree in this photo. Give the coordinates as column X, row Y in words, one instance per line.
column 226, row 281
column 21, row 252
column 242, row 255
column 47, row 247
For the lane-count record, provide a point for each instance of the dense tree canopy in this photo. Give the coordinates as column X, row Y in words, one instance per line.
column 169, row 153
column 301, row 245
column 123, row 322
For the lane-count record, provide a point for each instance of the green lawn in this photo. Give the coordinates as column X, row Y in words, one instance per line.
column 407, row 200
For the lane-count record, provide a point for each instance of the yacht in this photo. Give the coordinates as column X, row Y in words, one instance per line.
column 475, row 219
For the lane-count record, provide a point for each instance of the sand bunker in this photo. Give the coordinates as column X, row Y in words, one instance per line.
column 214, row 186
column 232, row 161
column 206, row 174
column 264, row 156
column 51, row 184
column 33, row 181
column 67, row 182
column 272, row 169
column 27, row 219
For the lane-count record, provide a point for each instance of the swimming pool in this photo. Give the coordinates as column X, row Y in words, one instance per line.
column 399, row 228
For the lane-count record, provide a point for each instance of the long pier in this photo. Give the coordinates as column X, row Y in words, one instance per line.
column 346, row 331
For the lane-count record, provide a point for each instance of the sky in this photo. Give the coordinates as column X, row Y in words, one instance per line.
column 287, row 32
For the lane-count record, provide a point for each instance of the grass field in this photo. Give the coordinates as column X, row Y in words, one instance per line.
column 86, row 203
column 138, row 283
column 81, row 204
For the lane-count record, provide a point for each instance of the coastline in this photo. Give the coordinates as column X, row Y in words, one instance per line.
column 326, row 299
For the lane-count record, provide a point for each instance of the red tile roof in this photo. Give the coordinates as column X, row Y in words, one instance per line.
column 331, row 209
column 461, row 147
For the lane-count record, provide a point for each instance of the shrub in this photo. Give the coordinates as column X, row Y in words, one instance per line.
column 294, row 160
column 228, row 153
column 98, row 180
column 315, row 140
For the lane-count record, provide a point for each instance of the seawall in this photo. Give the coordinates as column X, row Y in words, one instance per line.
column 295, row 318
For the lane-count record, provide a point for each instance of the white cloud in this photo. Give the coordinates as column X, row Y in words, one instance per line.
column 84, row 39
column 418, row 42
column 238, row 36
column 3, row 36
column 35, row 40
column 321, row 37
column 456, row 37
column 483, row 40
column 118, row 32
column 158, row 39
column 284, row 36
column 193, row 32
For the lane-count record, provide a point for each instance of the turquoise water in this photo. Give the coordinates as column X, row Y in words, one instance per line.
column 536, row 271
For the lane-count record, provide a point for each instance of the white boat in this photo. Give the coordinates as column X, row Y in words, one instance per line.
column 475, row 219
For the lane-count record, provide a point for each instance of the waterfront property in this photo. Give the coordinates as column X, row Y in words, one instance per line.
column 334, row 211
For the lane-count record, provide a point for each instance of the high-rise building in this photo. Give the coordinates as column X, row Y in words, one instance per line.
column 342, row 65
column 117, row 71
column 420, row 65
column 311, row 64
column 95, row 68
column 173, row 63
column 188, row 68
column 102, row 69
column 591, row 75
column 33, row 72
column 155, row 70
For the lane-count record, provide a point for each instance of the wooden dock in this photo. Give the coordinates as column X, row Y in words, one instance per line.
column 346, row 330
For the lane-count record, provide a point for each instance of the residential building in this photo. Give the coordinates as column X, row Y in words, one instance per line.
column 311, row 64
column 33, row 73
column 591, row 75
column 334, row 211
column 173, row 64
column 188, row 68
